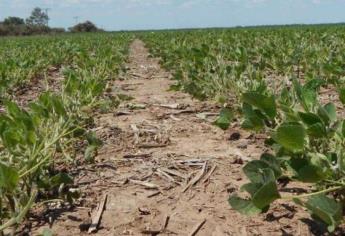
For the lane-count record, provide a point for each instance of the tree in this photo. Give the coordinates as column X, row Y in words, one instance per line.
column 38, row 18
column 13, row 21
column 87, row 26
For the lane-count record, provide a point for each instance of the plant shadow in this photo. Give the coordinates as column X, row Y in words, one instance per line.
column 319, row 229
column 49, row 216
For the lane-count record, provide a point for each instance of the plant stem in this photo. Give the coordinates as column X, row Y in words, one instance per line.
column 314, row 193
column 21, row 215
column 51, row 200
column 48, row 156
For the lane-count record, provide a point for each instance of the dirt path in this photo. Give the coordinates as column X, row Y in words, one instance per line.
column 146, row 142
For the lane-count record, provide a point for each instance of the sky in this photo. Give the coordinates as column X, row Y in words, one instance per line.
column 163, row 14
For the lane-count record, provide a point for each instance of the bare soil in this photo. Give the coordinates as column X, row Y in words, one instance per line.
column 30, row 90
column 154, row 145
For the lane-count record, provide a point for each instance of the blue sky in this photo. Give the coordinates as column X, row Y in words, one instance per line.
column 157, row 14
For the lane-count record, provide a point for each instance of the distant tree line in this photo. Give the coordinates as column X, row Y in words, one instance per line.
column 37, row 23
column 86, row 26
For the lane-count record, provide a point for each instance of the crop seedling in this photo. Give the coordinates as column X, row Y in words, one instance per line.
column 307, row 140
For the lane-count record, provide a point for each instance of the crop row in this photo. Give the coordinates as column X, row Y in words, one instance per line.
column 208, row 63
column 22, row 59
column 38, row 138
column 272, row 79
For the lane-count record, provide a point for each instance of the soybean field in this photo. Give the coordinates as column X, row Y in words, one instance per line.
column 189, row 132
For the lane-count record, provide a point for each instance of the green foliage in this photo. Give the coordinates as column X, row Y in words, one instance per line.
column 274, row 75
column 326, row 209
column 342, row 95
column 291, row 136
column 243, row 206
column 306, row 137
column 97, row 57
column 228, row 62
column 262, row 190
column 38, row 18
column 13, row 21
column 42, row 134
column 86, row 26
column 224, row 119
column 265, row 104
column 8, row 177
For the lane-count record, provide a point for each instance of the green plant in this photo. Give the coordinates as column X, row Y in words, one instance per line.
column 274, row 76
column 29, row 147
column 307, row 141
column 40, row 136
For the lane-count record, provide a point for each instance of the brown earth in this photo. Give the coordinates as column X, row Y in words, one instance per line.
column 162, row 139
column 28, row 92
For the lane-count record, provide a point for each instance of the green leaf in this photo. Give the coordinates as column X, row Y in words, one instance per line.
column 253, row 171
column 61, row 178
column 243, row 206
column 306, row 96
column 314, row 84
column 39, row 110
column 317, row 130
column 331, row 111
column 78, row 131
column 92, row 139
column 285, row 97
column 251, row 188
column 328, row 113
column 343, row 128
column 267, row 194
column 31, row 137
column 90, row 153
column 13, row 109
column 9, row 177
column 310, row 174
column 263, row 188
column 309, row 118
column 224, row 119
column 265, row 103
column 309, row 98
column 325, row 209
column 11, row 137
column 253, row 121
column 273, row 164
column 289, row 113
column 311, row 169
column 291, row 136
column 298, row 89
column 58, row 105
column 342, row 95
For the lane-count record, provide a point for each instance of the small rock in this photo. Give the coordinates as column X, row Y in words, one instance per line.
column 235, row 136
column 230, row 189
column 144, row 211
column 238, row 160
